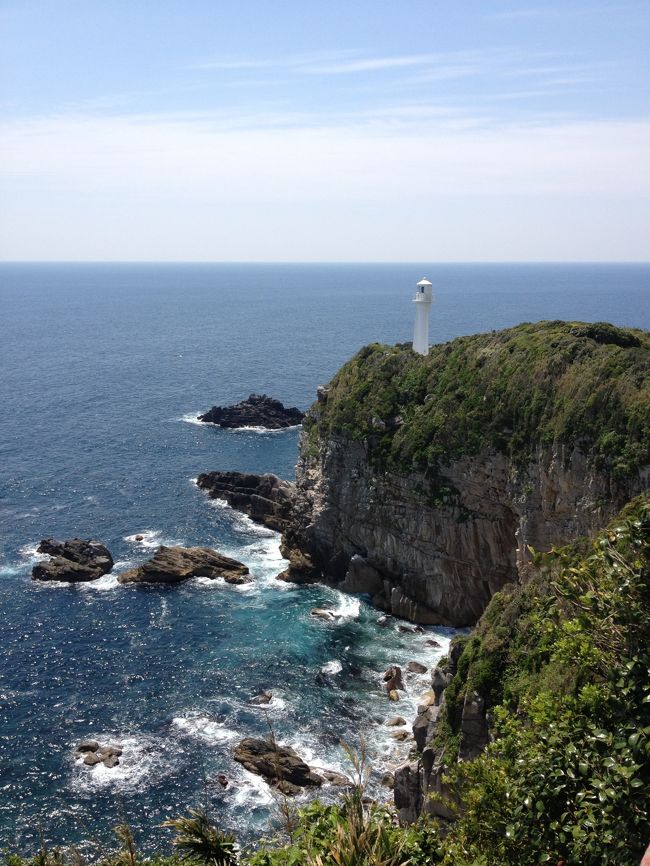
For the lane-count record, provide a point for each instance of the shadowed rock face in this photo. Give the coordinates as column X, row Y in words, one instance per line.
column 280, row 766
column 266, row 499
column 439, row 558
column 175, row 564
column 258, row 411
column 74, row 560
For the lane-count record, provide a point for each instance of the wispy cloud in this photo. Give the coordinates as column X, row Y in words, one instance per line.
column 346, row 62
column 371, row 64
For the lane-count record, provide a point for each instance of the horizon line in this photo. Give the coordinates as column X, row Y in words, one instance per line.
column 324, row 262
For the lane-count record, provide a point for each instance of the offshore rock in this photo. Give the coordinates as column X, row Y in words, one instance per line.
column 175, row 564
column 91, row 753
column 266, row 499
column 258, row 411
column 74, row 560
column 280, row 766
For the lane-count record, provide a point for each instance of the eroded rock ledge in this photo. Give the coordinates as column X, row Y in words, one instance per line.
column 258, row 410
column 176, row 564
column 266, row 499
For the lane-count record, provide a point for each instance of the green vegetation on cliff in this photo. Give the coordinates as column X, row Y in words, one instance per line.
column 534, row 384
column 563, row 664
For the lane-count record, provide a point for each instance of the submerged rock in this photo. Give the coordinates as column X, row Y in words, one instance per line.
column 175, row 564
column 258, row 410
column 262, row 699
column 324, row 613
column 74, row 560
column 280, row 766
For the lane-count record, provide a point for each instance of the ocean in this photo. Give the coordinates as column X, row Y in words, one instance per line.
column 103, row 370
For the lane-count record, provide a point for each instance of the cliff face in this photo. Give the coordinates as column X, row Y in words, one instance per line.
column 441, row 562
column 411, row 487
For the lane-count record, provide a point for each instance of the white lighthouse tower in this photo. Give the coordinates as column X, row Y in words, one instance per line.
column 422, row 300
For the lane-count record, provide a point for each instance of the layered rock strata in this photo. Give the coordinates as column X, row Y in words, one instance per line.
column 74, row 560
column 258, row 410
column 266, row 499
column 436, row 551
column 176, row 564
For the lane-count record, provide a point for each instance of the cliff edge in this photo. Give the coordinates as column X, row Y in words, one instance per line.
column 424, row 480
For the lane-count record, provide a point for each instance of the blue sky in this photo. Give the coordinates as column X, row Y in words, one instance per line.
column 324, row 131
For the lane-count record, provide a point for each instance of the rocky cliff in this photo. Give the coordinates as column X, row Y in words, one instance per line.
column 424, row 481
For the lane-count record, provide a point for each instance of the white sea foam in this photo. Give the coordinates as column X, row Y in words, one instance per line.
column 333, row 667
column 204, row 728
column 349, row 607
column 142, row 759
column 101, row 584
column 151, row 538
column 251, row 788
column 191, row 418
column 30, row 552
column 260, row 429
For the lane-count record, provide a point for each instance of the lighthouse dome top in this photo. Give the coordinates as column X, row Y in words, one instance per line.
column 424, row 282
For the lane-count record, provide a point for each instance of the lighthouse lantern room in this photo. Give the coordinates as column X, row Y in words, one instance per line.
column 422, row 300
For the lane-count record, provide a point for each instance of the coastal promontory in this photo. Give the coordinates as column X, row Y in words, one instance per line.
column 425, row 480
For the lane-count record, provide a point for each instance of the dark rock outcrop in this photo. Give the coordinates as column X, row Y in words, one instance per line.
column 175, row 564
column 258, row 411
column 393, row 678
column 74, row 560
column 266, row 499
column 91, row 753
column 280, row 766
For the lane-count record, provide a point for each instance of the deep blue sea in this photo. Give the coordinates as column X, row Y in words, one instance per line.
column 103, row 370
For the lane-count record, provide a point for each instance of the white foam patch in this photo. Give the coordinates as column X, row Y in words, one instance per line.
column 258, row 429
column 30, row 552
column 251, row 789
column 142, row 761
column 191, row 418
column 204, row 728
column 333, row 667
column 150, row 539
column 348, row 607
column 101, row 584
column 220, row 583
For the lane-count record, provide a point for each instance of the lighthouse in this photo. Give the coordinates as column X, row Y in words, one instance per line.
column 422, row 300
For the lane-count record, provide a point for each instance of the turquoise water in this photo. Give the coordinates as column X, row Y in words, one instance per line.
column 103, row 369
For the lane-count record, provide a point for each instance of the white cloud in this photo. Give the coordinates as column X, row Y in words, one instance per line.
column 255, row 177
